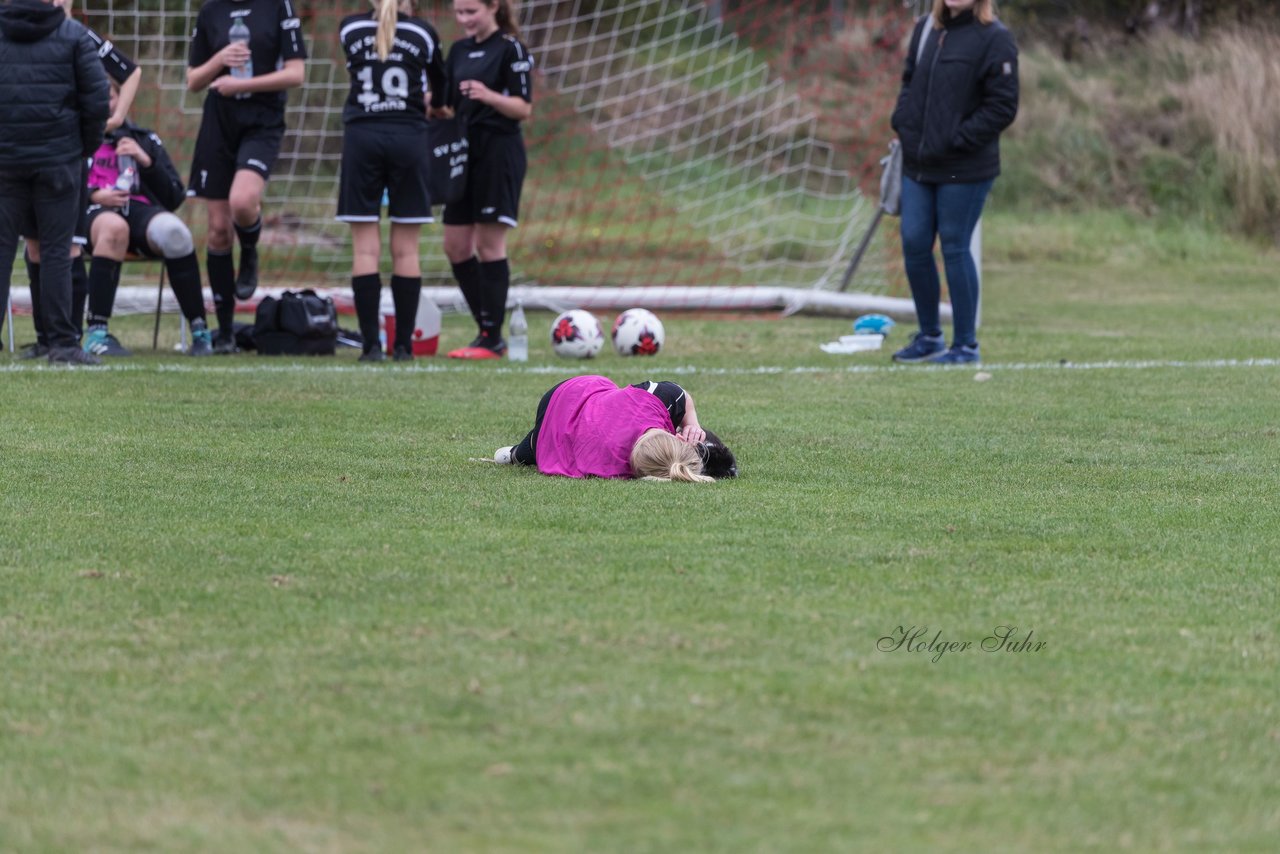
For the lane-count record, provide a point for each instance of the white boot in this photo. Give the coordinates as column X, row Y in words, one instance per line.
column 503, row 456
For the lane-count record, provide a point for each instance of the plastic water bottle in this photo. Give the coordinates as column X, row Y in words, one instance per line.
column 518, row 343
column 126, row 177
column 239, row 34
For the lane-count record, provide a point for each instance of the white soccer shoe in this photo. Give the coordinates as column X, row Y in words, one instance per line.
column 503, row 456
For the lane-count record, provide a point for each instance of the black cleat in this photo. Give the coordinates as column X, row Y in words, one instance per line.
column 201, row 340
column 225, row 346
column 72, row 357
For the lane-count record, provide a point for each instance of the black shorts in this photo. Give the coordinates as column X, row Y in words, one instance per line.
column 388, row 155
column 140, row 216
column 496, row 165
column 79, row 237
column 233, row 135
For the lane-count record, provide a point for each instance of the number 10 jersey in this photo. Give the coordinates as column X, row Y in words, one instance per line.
column 395, row 88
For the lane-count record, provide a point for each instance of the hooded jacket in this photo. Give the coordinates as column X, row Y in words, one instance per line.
column 956, row 99
column 52, row 86
column 160, row 182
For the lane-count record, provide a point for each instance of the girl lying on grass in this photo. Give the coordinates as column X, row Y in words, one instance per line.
column 588, row 427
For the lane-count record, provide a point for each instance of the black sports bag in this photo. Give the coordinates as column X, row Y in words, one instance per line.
column 301, row 323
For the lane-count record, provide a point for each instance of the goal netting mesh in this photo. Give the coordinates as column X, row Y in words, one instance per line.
column 673, row 143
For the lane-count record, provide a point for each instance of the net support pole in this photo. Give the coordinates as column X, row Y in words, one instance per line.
column 861, row 250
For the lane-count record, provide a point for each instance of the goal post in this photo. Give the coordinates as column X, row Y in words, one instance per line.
column 674, row 148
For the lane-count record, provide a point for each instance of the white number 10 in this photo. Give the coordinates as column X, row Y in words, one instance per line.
column 395, row 84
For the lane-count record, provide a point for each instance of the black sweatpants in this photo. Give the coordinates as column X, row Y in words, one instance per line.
column 53, row 194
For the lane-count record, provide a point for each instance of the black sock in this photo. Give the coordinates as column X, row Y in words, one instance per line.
column 367, row 291
column 467, row 275
column 496, row 279
column 80, row 291
column 222, row 281
column 104, row 278
column 184, row 278
column 37, row 314
column 248, row 237
column 406, row 292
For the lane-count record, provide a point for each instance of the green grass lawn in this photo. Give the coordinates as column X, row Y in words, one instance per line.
column 269, row 605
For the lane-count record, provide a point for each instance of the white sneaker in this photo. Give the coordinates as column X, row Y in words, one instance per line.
column 503, row 456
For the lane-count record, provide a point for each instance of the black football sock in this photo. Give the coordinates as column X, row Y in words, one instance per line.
column 467, row 275
column 367, row 291
column 37, row 314
column 104, row 277
column 248, row 237
column 406, row 292
column 184, row 278
column 496, row 279
column 222, row 281
column 80, row 291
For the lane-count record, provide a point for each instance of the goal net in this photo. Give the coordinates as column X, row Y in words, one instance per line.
column 676, row 146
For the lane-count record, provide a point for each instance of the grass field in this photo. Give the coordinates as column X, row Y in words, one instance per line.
column 262, row 605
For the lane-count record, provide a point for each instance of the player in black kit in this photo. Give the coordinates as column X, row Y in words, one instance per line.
column 394, row 60
column 491, row 89
column 247, row 53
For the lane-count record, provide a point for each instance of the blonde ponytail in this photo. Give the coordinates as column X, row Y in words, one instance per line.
column 659, row 455
column 387, row 18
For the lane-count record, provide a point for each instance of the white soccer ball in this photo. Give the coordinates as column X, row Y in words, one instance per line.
column 576, row 334
column 638, row 332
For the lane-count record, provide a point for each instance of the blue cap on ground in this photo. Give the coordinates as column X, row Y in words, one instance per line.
column 873, row 324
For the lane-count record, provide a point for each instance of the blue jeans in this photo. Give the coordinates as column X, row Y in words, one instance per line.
column 950, row 213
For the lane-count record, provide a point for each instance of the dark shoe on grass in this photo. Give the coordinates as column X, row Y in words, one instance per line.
column 960, row 354
column 72, row 357
column 921, row 349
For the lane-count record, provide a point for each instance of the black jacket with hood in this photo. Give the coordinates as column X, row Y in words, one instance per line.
column 956, row 100
column 52, row 86
column 160, row 182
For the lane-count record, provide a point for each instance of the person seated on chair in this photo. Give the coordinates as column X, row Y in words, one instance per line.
column 139, row 220
column 588, row 427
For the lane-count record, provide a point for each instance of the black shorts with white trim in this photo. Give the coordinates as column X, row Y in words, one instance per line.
column 496, row 165
column 233, row 135
column 386, row 155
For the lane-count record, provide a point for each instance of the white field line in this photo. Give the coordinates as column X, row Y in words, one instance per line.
column 212, row 365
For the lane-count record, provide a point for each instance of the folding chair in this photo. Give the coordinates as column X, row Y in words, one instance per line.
column 155, row 333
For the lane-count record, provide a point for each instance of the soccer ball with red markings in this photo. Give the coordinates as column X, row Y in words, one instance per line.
column 638, row 332
column 576, row 334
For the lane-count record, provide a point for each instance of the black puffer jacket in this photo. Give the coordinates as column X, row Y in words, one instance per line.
column 52, row 86
column 957, row 100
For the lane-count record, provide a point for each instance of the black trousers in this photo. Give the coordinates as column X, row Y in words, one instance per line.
column 52, row 193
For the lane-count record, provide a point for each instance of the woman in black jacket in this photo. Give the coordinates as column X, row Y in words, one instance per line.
column 959, row 92
column 54, row 93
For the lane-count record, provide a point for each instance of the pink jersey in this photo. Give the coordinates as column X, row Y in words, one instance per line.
column 591, row 425
column 105, row 170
